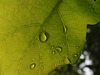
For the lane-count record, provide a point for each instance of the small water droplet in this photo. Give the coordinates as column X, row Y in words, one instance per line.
column 52, row 47
column 32, row 66
column 59, row 49
column 53, row 52
column 33, row 59
column 65, row 29
column 43, row 37
column 76, row 55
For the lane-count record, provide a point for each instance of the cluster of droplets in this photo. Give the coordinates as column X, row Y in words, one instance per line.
column 76, row 55
column 56, row 49
column 43, row 37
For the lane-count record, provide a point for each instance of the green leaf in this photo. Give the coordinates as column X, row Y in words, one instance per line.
column 37, row 36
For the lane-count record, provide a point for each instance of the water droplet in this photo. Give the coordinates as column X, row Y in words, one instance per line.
column 52, row 47
column 32, row 66
column 43, row 37
column 76, row 55
column 33, row 59
column 53, row 52
column 59, row 49
column 65, row 29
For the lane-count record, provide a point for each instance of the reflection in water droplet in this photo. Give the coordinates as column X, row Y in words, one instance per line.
column 59, row 49
column 65, row 29
column 76, row 55
column 53, row 52
column 32, row 66
column 43, row 36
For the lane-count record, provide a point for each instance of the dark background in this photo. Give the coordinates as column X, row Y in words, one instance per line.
column 88, row 63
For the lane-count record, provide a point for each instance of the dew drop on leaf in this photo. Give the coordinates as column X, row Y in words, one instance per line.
column 32, row 66
column 59, row 49
column 33, row 59
column 52, row 47
column 53, row 52
column 65, row 29
column 76, row 55
column 43, row 36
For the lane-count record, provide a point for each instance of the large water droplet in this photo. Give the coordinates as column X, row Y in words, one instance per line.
column 65, row 29
column 76, row 55
column 43, row 37
column 32, row 66
column 59, row 49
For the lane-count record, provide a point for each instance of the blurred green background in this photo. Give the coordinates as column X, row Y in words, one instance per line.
column 88, row 63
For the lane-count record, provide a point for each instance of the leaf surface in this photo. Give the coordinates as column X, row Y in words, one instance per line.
column 37, row 36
